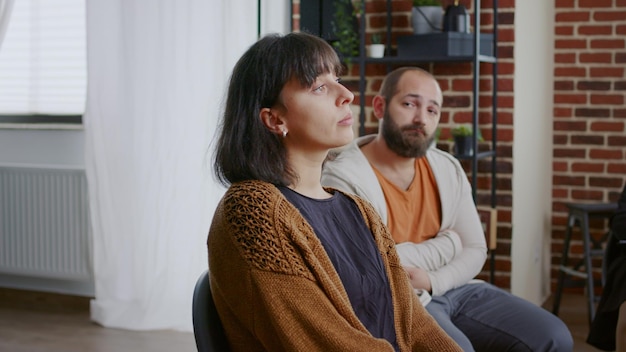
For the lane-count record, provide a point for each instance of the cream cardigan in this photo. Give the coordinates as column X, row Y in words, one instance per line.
column 349, row 170
column 276, row 289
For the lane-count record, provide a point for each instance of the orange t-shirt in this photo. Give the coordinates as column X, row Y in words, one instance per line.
column 413, row 214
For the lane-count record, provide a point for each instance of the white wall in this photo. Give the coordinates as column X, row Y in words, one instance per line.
column 35, row 147
column 532, row 150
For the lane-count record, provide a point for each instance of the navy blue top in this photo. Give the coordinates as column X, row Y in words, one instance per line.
column 340, row 226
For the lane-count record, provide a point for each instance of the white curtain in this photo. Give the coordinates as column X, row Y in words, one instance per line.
column 157, row 73
column 5, row 15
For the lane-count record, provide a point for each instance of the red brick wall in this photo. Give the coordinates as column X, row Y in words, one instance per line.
column 589, row 112
column 589, row 109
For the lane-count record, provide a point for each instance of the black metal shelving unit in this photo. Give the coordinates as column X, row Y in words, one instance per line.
column 476, row 59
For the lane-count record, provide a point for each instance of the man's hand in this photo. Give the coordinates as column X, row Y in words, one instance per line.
column 419, row 278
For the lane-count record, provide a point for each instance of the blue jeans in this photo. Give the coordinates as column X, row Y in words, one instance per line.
column 482, row 317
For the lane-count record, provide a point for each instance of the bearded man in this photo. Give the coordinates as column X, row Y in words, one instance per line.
column 425, row 199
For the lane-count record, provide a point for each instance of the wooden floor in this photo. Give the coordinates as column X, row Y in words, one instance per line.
column 34, row 322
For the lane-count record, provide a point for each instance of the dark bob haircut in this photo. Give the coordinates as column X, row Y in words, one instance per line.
column 246, row 149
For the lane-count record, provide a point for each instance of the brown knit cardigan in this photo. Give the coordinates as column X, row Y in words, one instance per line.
column 276, row 289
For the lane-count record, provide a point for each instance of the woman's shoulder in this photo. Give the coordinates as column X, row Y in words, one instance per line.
column 252, row 187
column 250, row 200
column 252, row 213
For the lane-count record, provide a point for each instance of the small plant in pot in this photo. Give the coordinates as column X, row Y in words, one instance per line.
column 377, row 48
column 463, row 142
column 427, row 16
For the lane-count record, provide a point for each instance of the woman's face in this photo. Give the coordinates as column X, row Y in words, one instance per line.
column 317, row 118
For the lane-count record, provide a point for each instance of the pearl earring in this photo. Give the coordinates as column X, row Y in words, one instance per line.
column 284, row 133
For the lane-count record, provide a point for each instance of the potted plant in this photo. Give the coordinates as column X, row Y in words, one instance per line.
column 463, row 142
column 427, row 16
column 345, row 28
column 377, row 48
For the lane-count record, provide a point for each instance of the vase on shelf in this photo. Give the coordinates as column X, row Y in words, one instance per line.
column 427, row 19
column 376, row 50
column 463, row 145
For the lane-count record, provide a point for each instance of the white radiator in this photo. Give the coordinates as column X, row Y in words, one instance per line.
column 44, row 223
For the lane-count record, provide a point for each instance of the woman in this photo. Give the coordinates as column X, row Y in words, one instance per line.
column 608, row 329
column 294, row 266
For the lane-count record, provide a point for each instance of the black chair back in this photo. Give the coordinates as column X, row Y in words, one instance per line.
column 207, row 326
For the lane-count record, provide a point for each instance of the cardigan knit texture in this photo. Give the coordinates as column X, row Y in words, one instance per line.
column 276, row 289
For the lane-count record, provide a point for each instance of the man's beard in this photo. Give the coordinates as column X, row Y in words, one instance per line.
column 405, row 146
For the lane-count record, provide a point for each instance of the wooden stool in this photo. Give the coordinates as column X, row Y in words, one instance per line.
column 581, row 213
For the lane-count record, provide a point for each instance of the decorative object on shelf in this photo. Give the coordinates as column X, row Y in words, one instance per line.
column 456, row 19
column 463, row 142
column 426, row 16
column 377, row 48
column 443, row 44
column 345, row 28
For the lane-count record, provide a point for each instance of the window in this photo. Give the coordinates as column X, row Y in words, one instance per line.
column 43, row 65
